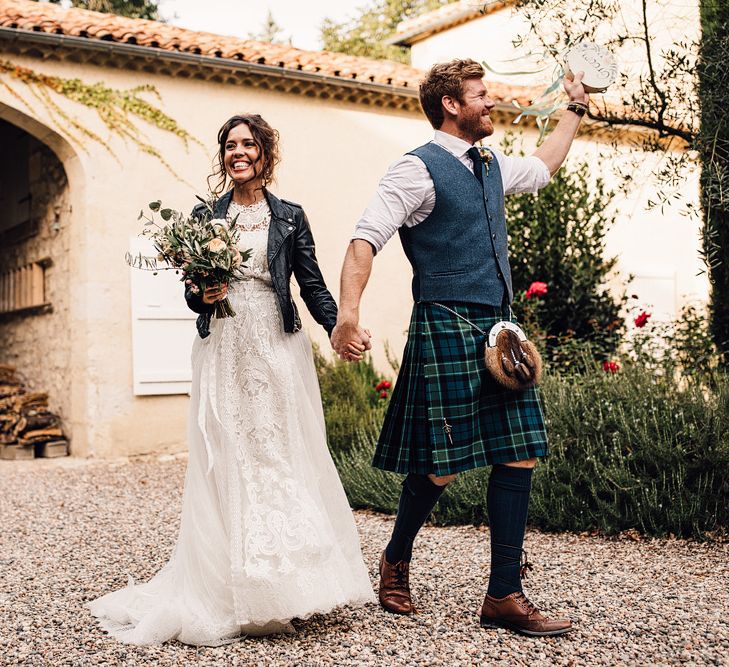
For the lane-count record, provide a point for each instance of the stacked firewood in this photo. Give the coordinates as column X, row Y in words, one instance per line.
column 27, row 427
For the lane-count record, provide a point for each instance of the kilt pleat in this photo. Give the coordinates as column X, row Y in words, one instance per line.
column 447, row 414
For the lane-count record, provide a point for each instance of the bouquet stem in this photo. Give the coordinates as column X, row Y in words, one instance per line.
column 223, row 309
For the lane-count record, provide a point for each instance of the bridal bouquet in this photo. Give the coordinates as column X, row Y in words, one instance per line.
column 203, row 249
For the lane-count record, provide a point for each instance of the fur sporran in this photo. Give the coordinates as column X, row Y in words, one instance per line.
column 513, row 361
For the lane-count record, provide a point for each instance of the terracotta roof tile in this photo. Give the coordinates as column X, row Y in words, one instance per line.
column 26, row 15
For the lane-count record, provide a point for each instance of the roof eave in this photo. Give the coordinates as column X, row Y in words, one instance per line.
column 154, row 54
column 154, row 59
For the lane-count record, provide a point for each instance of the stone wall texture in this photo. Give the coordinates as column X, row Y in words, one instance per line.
column 38, row 344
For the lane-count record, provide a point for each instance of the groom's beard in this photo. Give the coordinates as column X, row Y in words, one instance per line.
column 476, row 127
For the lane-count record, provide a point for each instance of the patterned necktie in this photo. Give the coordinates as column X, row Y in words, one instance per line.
column 477, row 167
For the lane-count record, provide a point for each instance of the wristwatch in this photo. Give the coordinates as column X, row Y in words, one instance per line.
column 577, row 107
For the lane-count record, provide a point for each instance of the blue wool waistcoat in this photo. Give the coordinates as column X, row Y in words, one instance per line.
column 459, row 252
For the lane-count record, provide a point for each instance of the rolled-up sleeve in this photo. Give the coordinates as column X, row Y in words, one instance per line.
column 402, row 191
column 522, row 174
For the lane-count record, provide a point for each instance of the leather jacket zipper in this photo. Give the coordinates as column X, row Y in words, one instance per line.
column 283, row 240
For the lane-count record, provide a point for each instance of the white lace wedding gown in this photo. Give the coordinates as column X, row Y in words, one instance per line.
column 266, row 533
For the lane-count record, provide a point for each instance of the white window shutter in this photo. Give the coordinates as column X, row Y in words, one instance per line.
column 163, row 329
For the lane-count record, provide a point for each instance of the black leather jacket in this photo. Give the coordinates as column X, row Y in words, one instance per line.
column 290, row 250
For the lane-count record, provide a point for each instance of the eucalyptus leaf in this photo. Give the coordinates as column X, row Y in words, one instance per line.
column 521, row 73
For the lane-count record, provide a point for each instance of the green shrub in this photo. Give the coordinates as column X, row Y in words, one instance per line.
column 349, row 397
column 367, row 487
column 557, row 236
column 683, row 349
column 634, row 449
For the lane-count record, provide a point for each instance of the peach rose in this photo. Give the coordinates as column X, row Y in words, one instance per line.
column 216, row 245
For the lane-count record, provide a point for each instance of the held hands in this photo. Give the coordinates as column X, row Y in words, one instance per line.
column 350, row 341
column 574, row 88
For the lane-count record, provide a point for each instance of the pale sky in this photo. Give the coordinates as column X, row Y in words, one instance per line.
column 300, row 19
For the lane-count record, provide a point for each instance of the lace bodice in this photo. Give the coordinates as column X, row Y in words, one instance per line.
column 253, row 222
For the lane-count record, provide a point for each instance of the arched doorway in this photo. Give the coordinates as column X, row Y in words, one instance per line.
column 40, row 196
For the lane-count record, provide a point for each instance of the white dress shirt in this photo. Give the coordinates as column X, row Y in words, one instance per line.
column 406, row 194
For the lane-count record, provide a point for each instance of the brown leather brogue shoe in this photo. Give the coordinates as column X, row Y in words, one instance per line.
column 515, row 612
column 395, row 587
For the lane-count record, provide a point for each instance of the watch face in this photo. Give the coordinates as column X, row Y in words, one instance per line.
column 596, row 62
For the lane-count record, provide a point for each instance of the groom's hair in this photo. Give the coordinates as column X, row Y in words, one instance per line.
column 445, row 79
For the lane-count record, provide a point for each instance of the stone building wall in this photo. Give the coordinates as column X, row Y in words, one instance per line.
column 38, row 343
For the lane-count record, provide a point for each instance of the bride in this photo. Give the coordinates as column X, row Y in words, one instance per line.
column 266, row 533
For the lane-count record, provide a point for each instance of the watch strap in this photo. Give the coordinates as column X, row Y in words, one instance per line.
column 578, row 108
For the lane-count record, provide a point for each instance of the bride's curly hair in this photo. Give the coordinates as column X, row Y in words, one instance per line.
column 266, row 139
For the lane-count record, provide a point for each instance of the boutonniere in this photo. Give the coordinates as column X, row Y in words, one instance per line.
column 486, row 156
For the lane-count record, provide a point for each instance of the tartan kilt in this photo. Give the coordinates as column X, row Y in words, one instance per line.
column 443, row 381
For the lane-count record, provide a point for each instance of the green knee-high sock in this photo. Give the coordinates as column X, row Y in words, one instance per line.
column 417, row 500
column 507, row 502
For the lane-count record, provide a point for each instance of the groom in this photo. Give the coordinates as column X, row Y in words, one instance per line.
column 447, row 414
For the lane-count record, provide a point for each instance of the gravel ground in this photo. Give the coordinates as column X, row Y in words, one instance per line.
column 71, row 530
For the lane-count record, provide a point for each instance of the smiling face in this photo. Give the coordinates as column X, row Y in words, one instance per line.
column 473, row 111
column 242, row 155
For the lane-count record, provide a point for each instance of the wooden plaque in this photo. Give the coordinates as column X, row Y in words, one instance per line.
column 596, row 62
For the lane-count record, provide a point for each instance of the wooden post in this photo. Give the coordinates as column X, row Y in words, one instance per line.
column 3, row 292
column 28, row 279
column 38, row 288
column 25, row 294
column 14, row 286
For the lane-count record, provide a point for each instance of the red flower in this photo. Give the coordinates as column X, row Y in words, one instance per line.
column 383, row 394
column 386, row 384
column 382, row 384
column 536, row 289
column 642, row 319
column 610, row 366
